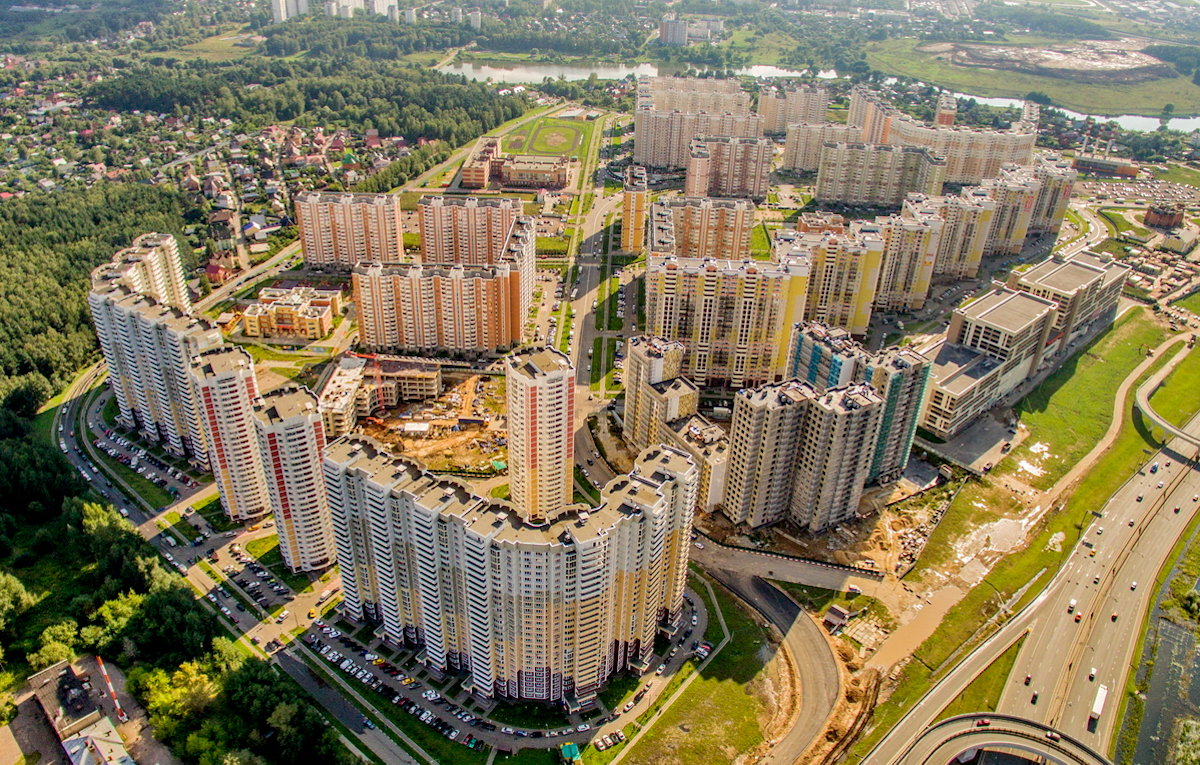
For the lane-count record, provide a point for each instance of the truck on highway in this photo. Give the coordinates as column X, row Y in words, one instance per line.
column 1098, row 707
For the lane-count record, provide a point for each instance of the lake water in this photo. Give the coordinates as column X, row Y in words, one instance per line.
column 522, row 73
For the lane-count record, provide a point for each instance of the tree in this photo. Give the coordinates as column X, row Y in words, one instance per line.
column 1168, row 110
column 14, row 600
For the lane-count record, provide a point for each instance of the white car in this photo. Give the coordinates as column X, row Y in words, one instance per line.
column 699, row 545
column 583, row 727
column 507, row 730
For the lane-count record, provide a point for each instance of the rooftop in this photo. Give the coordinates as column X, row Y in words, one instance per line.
column 285, row 403
column 1065, row 277
column 1009, row 310
column 957, row 369
column 64, row 699
column 536, row 362
column 222, row 360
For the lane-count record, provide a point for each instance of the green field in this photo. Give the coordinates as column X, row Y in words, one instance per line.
column 218, row 48
column 1177, row 397
column 266, row 550
column 1191, row 303
column 717, row 718
column 1072, row 409
column 983, row 694
column 549, row 136
column 900, row 57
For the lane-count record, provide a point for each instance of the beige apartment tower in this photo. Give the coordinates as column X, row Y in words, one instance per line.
column 291, row 438
column 700, row 227
column 966, row 226
column 671, row 111
column 876, row 175
column 910, row 249
column 729, row 167
column 635, row 208
column 226, row 388
column 544, row 610
column 541, row 431
column 468, row 230
column 805, row 140
column 343, row 230
column 782, row 108
column 651, row 361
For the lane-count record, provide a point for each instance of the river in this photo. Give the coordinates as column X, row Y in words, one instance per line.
column 525, row 73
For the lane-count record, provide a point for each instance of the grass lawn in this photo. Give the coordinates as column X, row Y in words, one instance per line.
column 610, row 373
column 152, row 493
column 1177, row 398
column 619, row 690
column 266, row 549
column 550, row 136
column 597, row 365
column 983, row 694
column 1070, row 411
column 899, row 56
column 818, row 600
column 591, row 494
column 217, row 48
column 412, row 240
column 532, row 757
column 564, row 327
column 529, row 714
column 716, row 718
column 1122, row 459
column 1191, row 303
column 501, row 492
column 760, row 242
column 1121, row 223
column 1180, row 174
column 763, row 49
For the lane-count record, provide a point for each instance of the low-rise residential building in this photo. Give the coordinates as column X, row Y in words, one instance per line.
column 363, row 385
column 306, row 312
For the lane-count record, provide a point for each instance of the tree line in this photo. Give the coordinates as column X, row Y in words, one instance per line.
column 345, row 91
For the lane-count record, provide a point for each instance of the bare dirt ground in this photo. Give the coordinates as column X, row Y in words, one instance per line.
column 1085, row 61
column 443, row 447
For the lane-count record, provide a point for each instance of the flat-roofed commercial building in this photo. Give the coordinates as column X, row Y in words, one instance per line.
column 343, row 230
column 1085, row 288
column 543, row 609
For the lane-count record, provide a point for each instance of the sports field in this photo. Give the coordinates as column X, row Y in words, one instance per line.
column 549, row 136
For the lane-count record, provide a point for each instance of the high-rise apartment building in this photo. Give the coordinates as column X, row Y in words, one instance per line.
column 966, row 226
column 635, row 207
column 649, row 361
column 141, row 310
column 805, row 141
column 1056, row 178
column 282, row 10
column 469, row 230
column 782, row 108
column 700, row 227
column 843, row 270
column 947, row 110
column 796, row 453
column 343, row 230
column 970, row 154
column 1015, row 195
column 877, row 175
column 672, row 30
column 910, row 249
column 541, row 431
column 291, row 438
column 226, row 388
column 671, row 111
column 731, row 316
column 544, row 609
column 425, row 309
column 828, row 357
column 720, row 166
column 452, row 306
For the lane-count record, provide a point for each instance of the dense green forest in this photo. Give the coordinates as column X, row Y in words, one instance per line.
column 49, row 243
column 396, row 99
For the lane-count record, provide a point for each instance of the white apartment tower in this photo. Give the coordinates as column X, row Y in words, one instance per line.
column 541, row 431
column 343, row 230
column 282, row 10
column 226, row 388
column 141, row 311
column 877, row 175
column 541, row 611
column 910, row 249
column 291, row 438
column 671, row 111
column 966, row 226
column 805, row 140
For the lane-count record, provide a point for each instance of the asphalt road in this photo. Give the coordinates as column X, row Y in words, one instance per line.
column 956, row 735
column 1060, row 652
column 820, row 677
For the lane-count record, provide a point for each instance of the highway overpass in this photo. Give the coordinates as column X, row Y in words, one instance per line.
column 1141, row 400
column 945, row 741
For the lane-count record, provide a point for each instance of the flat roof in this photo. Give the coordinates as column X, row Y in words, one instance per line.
column 957, row 369
column 535, row 362
column 1063, row 276
column 1009, row 310
column 226, row 358
column 285, row 403
column 63, row 698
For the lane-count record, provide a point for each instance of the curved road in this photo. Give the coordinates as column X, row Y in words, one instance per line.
column 820, row 677
column 1142, row 399
column 956, row 735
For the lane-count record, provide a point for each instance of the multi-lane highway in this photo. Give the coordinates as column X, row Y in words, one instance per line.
column 948, row 739
column 1109, row 577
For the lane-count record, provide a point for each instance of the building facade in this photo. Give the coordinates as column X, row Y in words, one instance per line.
column 541, row 430
column 226, row 389
column 805, row 140
column 670, row 111
column 876, row 175
column 291, row 438
column 910, row 249
column 781, row 108
column 363, row 385
column 719, row 166
column 544, row 609
column 700, row 227
column 635, row 207
column 343, row 230
column 731, row 316
column 966, row 227
column 844, row 270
